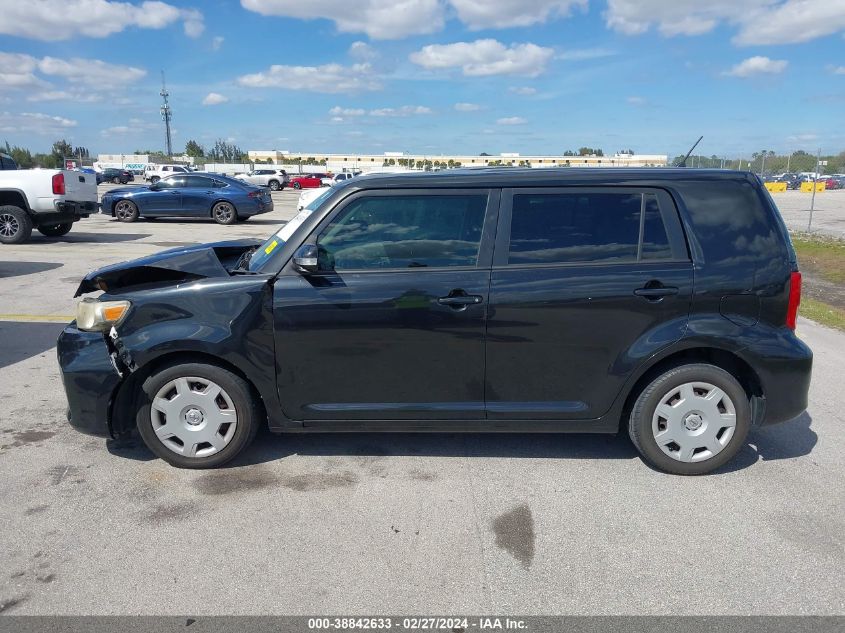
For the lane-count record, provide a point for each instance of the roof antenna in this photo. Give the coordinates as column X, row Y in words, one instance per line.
column 683, row 163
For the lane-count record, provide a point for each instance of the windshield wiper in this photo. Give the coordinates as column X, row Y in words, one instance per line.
column 243, row 262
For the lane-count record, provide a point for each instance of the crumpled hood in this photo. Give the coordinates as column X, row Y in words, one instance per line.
column 176, row 264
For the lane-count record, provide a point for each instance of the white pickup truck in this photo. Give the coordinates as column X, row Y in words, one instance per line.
column 49, row 200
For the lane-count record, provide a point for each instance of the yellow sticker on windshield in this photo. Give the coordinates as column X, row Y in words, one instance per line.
column 271, row 247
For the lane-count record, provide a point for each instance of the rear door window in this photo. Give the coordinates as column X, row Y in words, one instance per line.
column 586, row 226
column 404, row 231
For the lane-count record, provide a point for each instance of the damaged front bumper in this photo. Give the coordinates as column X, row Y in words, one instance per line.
column 90, row 377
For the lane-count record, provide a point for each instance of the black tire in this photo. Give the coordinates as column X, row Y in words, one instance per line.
column 115, row 180
column 245, row 403
column 297, row 185
column 224, row 212
column 15, row 225
column 126, row 211
column 55, row 230
column 243, row 218
column 642, row 414
column 154, row 179
column 274, row 185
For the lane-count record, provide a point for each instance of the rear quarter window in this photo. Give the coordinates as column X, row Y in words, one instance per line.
column 730, row 223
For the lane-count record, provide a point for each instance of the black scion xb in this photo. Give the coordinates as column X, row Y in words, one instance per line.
column 658, row 301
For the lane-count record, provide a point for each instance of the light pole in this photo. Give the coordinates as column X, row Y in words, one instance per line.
column 813, row 199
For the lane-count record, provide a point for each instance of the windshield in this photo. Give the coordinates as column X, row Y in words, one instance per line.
column 278, row 239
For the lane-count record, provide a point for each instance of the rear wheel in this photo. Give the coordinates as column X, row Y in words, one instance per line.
column 55, row 230
column 690, row 420
column 297, row 185
column 126, row 211
column 15, row 225
column 195, row 415
column 115, row 180
column 274, row 185
column 224, row 213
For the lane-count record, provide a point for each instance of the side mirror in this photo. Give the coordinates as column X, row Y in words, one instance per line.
column 305, row 259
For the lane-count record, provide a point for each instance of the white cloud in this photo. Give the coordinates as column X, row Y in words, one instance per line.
column 837, row 70
column 759, row 22
column 525, row 91
column 500, row 14
column 512, row 120
column 34, row 123
column 217, row 42
column 380, row 20
column 337, row 111
column 362, row 52
column 214, row 98
column 92, row 72
column 581, row 54
column 329, row 78
column 757, row 65
column 792, row 22
column 467, row 107
column 74, row 94
column 403, row 111
column 485, row 57
column 636, row 101
column 53, row 20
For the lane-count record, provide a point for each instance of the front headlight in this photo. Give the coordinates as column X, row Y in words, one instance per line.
column 98, row 316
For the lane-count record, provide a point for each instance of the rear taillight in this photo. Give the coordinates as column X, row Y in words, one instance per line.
column 253, row 194
column 794, row 299
column 59, row 184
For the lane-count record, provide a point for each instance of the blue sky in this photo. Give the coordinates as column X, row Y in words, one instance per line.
column 428, row 76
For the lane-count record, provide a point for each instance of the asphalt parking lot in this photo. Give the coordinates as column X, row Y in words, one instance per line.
column 394, row 523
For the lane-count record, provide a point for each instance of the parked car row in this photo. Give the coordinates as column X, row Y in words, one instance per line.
column 793, row 181
column 116, row 176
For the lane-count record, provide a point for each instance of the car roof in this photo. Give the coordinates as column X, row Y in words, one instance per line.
column 543, row 177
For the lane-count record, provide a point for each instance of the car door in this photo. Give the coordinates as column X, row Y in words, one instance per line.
column 586, row 284
column 197, row 195
column 392, row 326
column 163, row 198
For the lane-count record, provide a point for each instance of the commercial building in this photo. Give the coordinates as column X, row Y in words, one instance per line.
column 373, row 162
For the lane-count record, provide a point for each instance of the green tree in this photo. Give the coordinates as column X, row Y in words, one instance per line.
column 194, row 149
column 225, row 152
column 61, row 149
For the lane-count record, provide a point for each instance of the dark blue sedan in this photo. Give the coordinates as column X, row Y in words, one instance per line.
column 223, row 199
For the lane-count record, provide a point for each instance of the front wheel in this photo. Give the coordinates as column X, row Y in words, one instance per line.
column 55, row 230
column 15, row 225
column 115, row 180
column 126, row 211
column 690, row 420
column 224, row 213
column 154, row 179
column 195, row 415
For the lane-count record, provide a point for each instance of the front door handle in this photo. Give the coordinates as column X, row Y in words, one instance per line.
column 459, row 300
column 655, row 291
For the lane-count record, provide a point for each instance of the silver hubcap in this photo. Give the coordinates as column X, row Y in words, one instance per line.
column 223, row 212
column 8, row 225
column 124, row 210
column 193, row 416
column 694, row 422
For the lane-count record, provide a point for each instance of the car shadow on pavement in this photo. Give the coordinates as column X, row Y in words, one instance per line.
column 16, row 269
column 75, row 238
column 24, row 340
column 789, row 440
column 271, row 447
column 784, row 441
